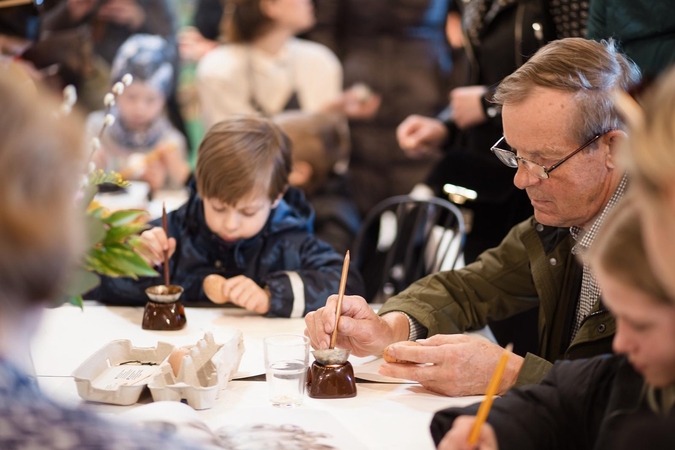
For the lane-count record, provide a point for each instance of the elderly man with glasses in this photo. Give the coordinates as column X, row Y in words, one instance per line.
column 561, row 134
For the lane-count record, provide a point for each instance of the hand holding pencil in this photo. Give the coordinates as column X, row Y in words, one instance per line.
column 473, row 432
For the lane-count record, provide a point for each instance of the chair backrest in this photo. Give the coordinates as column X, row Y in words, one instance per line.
column 403, row 239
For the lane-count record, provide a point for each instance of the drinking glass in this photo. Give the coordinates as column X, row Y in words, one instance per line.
column 286, row 362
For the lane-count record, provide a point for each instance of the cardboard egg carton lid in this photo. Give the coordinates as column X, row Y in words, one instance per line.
column 118, row 372
column 203, row 372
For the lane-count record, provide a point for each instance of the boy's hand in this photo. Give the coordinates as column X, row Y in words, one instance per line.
column 244, row 292
column 156, row 242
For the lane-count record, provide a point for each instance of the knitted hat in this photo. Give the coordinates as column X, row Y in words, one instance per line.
column 148, row 59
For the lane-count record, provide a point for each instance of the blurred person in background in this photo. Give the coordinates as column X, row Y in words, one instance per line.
column 109, row 24
column 142, row 144
column 398, row 49
column 41, row 166
column 263, row 69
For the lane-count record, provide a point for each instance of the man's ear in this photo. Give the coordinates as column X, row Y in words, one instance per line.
column 613, row 140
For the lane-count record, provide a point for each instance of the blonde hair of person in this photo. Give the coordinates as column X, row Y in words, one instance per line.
column 41, row 167
column 619, row 250
column 651, row 141
column 589, row 69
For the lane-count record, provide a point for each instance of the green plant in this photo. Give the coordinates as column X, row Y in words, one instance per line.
column 113, row 241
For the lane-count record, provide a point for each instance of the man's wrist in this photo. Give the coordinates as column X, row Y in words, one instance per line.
column 511, row 374
column 398, row 324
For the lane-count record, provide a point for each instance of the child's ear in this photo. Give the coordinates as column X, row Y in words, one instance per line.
column 301, row 174
column 281, row 195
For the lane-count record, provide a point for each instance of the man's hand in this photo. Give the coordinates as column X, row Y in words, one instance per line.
column 155, row 242
column 456, row 364
column 360, row 329
column 467, row 109
column 419, row 135
column 458, row 436
column 244, row 292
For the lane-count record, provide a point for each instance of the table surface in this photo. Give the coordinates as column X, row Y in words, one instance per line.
column 393, row 415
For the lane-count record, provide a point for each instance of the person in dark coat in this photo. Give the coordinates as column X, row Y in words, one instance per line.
column 583, row 404
column 398, row 49
column 243, row 224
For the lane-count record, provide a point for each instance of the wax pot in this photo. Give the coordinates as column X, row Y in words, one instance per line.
column 331, row 375
column 164, row 311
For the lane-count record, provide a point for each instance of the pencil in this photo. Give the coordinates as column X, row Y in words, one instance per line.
column 341, row 294
column 484, row 409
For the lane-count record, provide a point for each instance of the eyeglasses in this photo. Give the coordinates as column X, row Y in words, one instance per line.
column 509, row 158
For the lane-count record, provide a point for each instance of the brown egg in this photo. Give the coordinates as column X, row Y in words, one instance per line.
column 391, row 359
column 176, row 359
column 213, row 288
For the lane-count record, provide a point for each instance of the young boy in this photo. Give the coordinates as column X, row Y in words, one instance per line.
column 244, row 224
column 141, row 143
column 320, row 143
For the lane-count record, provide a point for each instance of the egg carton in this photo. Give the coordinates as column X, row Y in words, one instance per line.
column 118, row 372
column 203, row 372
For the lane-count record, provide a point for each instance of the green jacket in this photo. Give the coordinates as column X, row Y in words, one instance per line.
column 533, row 266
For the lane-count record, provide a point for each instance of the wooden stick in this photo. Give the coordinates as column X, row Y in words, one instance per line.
column 165, row 226
column 484, row 409
column 341, row 294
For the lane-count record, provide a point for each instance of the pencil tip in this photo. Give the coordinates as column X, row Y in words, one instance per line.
column 509, row 347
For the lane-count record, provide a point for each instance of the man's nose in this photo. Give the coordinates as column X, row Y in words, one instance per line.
column 524, row 178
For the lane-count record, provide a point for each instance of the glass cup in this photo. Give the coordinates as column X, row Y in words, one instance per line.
column 286, row 362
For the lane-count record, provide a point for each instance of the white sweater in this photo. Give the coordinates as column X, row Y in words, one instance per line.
column 307, row 68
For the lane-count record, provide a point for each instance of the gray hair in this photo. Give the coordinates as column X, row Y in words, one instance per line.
column 589, row 69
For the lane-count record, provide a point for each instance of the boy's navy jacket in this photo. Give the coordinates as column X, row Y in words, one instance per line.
column 300, row 270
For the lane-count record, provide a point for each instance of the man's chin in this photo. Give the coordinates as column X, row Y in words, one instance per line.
column 545, row 218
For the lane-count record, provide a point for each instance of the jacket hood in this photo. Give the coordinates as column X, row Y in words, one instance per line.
column 292, row 213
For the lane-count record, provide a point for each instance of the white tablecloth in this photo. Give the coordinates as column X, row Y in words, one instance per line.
column 381, row 416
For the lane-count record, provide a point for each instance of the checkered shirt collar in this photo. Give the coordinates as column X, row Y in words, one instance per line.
column 584, row 240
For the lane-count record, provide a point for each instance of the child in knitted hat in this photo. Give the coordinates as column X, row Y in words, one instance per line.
column 142, row 144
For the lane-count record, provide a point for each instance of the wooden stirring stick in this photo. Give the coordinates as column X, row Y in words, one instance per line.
column 484, row 409
column 165, row 226
column 341, row 293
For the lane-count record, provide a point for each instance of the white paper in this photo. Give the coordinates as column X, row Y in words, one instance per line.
column 282, row 429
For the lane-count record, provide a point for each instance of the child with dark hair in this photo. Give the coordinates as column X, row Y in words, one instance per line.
column 141, row 143
column 245, row 224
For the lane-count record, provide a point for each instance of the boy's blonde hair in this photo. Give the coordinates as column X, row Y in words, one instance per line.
column 651, row 141
column 589, row 69
column 619, row 250
column 242, row 156
column 41, row 167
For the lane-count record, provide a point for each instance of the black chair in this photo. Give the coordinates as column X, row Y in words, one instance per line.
column 403, row 239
